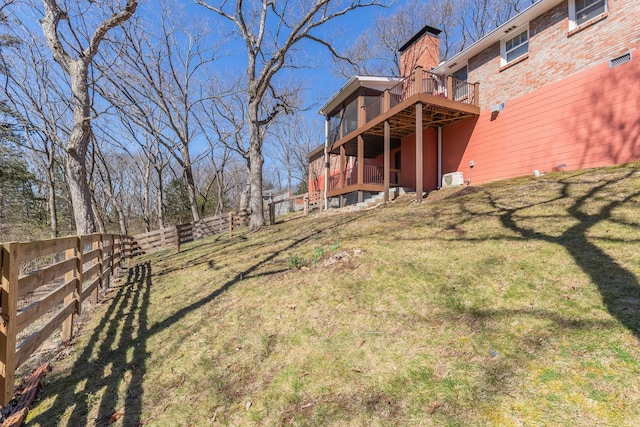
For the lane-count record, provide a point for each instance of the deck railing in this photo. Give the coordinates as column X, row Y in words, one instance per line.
column 432, row 84
column 463, row 91
column 372, row 175
column 374, row 108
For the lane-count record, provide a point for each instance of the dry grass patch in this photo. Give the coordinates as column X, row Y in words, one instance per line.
column 514, row 303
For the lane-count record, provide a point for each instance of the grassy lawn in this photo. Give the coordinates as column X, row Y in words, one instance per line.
column 513, row 303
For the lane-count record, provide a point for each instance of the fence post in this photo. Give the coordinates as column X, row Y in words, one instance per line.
column 178, row 236
column 306, row 204
column 94, row 294
column 9, row 297
column 80, row 279
column 67, row 324
column 272, row 213
column 230, row 224
column 110, row 265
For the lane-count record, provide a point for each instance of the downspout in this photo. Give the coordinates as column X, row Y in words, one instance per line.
column 326, row 163
column 439, row 157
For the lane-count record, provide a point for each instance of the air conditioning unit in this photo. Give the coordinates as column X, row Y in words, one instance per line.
column 452, row 179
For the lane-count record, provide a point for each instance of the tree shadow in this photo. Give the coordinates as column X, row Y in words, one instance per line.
column 112, row 362
column 618, row 287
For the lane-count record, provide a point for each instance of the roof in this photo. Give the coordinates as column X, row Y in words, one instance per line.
column 496, row 35
column 417, row 36
column 353, row 84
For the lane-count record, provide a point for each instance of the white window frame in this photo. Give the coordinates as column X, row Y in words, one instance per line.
column 513, row 34
column 573, row 16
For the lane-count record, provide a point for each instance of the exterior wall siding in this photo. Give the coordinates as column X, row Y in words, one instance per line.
column 429, row 160
column 556, row 53
column 564, row 107
column 587, row 120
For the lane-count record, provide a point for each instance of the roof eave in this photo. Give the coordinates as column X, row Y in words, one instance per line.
column 351, row 86
column 533, row 11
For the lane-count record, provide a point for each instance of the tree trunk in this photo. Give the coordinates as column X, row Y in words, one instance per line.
column 220, row 190
column 160, row 199
column 190, row 184
column 96, row 215
column 122, row 221
column 245, row 196
column 51, row 189
column 79, row 192
column 255, row 170
column 77, row 149
column 146, row 203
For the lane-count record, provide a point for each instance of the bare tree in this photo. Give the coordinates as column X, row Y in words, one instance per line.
column 75, row 54
column 228, row 121
column 32, row 88
column 479, row 17
column 375, row 52
column 110, row 169
column 293, row 139
column 271, row 32
column 142, row 142
column 159, row 83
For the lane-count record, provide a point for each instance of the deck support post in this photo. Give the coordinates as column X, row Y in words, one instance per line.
column 360, row 166
column 387, row 155
column 343, row 161
column 419, row 163
column 360, row 160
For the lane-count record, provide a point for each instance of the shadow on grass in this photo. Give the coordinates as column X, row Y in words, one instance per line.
column 619, row 287
column 112, row 363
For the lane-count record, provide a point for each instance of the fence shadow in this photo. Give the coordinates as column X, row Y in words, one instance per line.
column 111, row 365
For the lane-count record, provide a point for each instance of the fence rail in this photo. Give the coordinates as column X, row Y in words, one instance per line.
column 44, row 284
column 183, row 233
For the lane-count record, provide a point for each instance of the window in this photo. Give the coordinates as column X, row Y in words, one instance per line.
column 581, row 11
column 515, row 47
column 460, row 86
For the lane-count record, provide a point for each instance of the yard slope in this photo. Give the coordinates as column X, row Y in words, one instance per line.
column 513, row 303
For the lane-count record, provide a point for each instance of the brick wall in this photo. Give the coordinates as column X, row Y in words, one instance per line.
column 423, row 52
column 555, row 52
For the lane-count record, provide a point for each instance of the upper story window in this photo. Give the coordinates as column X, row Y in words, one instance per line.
column 581, row 11
column 515, row 47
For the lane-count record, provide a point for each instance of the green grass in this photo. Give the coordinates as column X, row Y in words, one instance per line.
column 513, row 303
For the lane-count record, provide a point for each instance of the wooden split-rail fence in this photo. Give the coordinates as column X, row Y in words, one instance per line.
column 177, row 235
column 180, row 234
column 44, row 285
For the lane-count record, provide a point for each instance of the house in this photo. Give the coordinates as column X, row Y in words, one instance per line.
column 556, row 87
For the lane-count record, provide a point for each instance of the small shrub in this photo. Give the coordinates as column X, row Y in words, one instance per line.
column 296, row 261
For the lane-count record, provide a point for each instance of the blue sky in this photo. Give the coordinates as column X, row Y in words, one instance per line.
column 321, row 77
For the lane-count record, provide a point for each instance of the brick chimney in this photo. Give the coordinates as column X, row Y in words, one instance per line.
column 422, row 49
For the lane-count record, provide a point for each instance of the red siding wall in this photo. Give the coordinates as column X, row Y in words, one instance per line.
column 587, row 120
column 430, row 160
